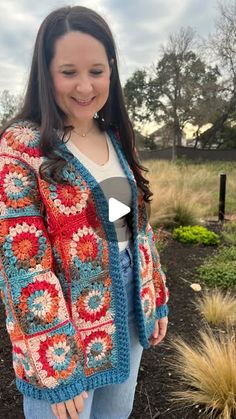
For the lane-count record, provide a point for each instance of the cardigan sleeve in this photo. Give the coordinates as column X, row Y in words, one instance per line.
column 47, row 349
column 159, row 278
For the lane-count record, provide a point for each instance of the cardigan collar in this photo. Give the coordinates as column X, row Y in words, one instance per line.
column 96, row 190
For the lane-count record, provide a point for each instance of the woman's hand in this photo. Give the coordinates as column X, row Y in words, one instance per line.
column 159, row 331
column 70, row 407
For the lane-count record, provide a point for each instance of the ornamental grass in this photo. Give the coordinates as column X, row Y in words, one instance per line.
column 186, row 193
column 218, row 308
column 206, row 373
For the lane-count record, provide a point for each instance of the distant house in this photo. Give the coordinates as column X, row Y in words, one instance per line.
column 163, row 137
column 191, row 142
column 141, row 141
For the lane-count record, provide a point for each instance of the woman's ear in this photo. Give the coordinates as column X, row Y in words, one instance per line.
column 111, row 65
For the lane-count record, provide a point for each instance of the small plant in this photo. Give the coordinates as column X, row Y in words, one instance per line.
column 184, row 215
column 161, row 238
column 226, row 254
column 220, row 269
column 196, row 235
column 229, row 233
column 216, row 307
column 206, row 373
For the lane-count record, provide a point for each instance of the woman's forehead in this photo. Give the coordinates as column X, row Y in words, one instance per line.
column 76, row 46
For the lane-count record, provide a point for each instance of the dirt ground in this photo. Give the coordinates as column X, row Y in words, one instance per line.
column 155, row 380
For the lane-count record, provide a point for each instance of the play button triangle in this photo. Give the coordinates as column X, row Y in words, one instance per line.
column 117, row 209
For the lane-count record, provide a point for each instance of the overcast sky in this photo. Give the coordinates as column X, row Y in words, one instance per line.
column 139, row 28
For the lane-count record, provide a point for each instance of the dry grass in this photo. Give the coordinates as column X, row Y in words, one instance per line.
column 207, row 373
column 188, row 190
column 229, row 233
column 217, row 308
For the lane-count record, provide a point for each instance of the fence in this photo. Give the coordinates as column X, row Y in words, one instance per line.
column 189, row 153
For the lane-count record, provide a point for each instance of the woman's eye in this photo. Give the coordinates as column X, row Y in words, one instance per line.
column 68, row 73
column 96, row 73
column 72, row 73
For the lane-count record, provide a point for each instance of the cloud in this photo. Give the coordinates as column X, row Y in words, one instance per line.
column 139, row 28
column 19, row 24
column 143, row 29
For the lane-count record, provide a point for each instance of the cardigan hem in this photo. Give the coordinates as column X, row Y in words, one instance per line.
column 67, row 392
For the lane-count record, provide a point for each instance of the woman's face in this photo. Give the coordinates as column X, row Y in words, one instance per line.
column 81, row 76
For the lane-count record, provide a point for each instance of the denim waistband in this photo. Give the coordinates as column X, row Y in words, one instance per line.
column 127, row 253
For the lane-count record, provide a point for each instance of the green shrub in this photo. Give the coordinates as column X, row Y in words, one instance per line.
column 222, row 274
column 196, row 235
column 225, row 254
column 220, row 269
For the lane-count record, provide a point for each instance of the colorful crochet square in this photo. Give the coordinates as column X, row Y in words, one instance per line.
column 38, row 302
column 18, row 183
column 57, row 356
column 23, row 246
column 91, row 302
column 100, row 348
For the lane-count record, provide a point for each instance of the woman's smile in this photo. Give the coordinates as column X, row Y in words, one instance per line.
column 83, row 102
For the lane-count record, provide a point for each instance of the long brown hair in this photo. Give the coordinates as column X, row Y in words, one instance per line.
column 39, row 103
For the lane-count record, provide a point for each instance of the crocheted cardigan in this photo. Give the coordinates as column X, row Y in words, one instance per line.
column 66, row 312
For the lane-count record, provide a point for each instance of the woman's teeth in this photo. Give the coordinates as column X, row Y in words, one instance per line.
column 84, row 102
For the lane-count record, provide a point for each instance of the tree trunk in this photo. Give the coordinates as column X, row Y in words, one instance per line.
column 174, row 149
column 197, row 138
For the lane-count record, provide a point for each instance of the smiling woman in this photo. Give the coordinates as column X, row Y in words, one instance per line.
column 81, row 86
column 83, row 295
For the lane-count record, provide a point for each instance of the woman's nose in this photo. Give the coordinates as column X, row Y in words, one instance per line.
column 84, row 86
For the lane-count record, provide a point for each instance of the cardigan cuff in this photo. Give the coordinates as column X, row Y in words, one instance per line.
column 162, row 311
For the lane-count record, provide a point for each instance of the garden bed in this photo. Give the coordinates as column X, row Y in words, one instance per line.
column 155, row 380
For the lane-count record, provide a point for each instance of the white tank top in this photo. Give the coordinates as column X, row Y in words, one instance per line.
column 112, row 168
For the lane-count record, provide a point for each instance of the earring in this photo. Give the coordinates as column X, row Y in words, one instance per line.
column 96, row 116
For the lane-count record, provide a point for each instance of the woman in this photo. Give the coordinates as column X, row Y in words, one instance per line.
column 83, row 295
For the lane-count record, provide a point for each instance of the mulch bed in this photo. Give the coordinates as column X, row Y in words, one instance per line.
column 155, row 381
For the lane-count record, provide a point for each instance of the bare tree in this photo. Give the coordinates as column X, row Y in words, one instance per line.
column 223, row 41
column 180, row 42
column 9, row 105
column 222, row 44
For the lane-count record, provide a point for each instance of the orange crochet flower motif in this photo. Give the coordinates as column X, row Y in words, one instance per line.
column 85, row 245
column 25, row 247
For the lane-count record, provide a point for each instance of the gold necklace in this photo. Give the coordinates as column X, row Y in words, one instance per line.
column 83, row 133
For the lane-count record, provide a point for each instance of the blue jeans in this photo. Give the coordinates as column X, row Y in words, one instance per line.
column 114, row 401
